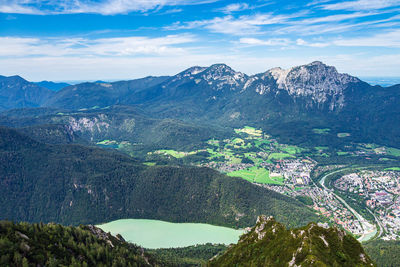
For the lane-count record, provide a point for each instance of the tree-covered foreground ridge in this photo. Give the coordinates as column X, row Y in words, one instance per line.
column 268, row 243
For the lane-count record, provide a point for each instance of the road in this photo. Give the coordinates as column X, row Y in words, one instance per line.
column 370, row 230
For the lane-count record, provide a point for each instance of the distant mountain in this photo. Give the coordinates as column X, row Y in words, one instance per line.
column 72, row 184
column 269, row 243
column 300, row 98
column 89, row 95
column 15, row 92
column 52, row 85
column 120, row 123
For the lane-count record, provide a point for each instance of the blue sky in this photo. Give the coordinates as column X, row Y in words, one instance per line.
column 125, row 39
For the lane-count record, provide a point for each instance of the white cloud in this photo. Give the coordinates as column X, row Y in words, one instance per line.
column 121, row 46
column 388, row 39
column 362, row 5
column 269, row 42
column 302, row 42
column 104, row 7
column 242, row 25
column 234, row 8
column 114, row 68
column 313, row 27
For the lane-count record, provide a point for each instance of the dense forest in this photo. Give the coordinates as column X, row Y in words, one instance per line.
column 72, row 184
column 384, row 253
column 25, row 244
column 191, row 256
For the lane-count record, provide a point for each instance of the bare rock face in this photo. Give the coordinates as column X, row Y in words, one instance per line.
column 319, row 82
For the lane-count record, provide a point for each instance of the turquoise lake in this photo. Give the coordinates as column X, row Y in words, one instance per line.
column 160, row 234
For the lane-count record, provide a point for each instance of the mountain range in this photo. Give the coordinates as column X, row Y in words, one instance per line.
column 300, row 98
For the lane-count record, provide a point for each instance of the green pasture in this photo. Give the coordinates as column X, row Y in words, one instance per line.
column 257, row 175
column 321, row 130
column 279, row 156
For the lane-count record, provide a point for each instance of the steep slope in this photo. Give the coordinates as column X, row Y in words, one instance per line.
column 71, row 184
column 115, row 123
column 268, row 243
column 15, row 92
column 26, row 244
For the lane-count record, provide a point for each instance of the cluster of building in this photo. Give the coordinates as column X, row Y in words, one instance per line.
column 295, row 171
column 325, row 203
column 227, row 167
column 380, row 191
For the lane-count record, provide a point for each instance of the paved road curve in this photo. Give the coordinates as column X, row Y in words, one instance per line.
column 369, row 229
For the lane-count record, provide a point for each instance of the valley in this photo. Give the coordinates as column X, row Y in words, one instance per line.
column 295, row 171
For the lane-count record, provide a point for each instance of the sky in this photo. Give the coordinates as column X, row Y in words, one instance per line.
column 68, row 40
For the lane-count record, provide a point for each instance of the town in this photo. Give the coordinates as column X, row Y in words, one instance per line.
column 380, row 191
column 260, row 159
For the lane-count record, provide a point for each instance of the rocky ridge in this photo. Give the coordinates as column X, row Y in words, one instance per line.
column 269, row 243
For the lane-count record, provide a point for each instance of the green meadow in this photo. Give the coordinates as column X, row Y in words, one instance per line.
column 257, row 175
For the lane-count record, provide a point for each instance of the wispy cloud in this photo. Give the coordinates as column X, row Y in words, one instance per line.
column 121, row 46
column 242, row 25
column 387, row 39
column 362, row 5
column 302, row 42
column 336, row 24
column 104, row 7
column 234, row 8
column 268, row 42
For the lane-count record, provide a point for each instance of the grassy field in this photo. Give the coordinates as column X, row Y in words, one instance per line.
column 342, row 153
column 341, row 135
column 321, row 130
column 257, row 175
column 393, row 169
column 213, row 142
column 292, row 149
column 393, row 151
column 250, row 131
column 108, row 143
column 279, row 156
column 260, row 142
column 175, row 154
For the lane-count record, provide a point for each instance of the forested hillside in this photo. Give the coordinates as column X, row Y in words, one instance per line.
column 23, row 244
column 72, row 184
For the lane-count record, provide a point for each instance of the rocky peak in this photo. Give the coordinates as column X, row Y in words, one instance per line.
column 184, row 76
column 220, row 76
column 191, row 71
column 321, row 83
column 269, row 242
